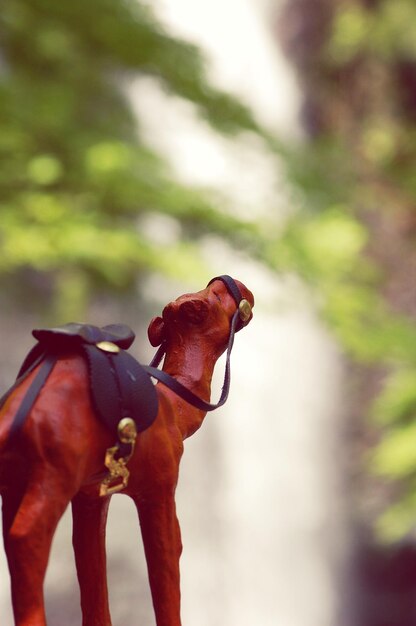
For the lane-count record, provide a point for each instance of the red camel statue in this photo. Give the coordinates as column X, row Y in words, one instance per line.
column 58, row 457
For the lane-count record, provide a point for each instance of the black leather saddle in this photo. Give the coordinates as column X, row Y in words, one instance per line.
column 119, row 385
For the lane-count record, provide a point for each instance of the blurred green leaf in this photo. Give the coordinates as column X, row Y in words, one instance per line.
column 398, row 520
column 397, row 401
column 395, row 456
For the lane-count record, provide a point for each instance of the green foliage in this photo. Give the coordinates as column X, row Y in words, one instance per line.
column 388, row 32
column 76, row 178
column 396, row 406
column 398, row 520
column 395, row 456
column 394, row 459
column 328, row 249
column 362, row 163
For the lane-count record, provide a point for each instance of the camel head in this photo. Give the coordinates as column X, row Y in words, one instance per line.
column 203, row 316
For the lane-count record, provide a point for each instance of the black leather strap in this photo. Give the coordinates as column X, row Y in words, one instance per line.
column 120, row 387
column 107, row 403
column 161, row 351
column 32, row 393
column 231, row 286
column 137, row 392
column 36, row 356
column 234, row 291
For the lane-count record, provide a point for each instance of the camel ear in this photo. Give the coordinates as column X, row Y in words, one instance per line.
column 156, row 331
column 194, row 311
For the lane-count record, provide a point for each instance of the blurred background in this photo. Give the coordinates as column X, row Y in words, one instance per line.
column 148, row 146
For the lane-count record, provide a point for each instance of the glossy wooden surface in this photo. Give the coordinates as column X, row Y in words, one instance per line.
column 62, row 446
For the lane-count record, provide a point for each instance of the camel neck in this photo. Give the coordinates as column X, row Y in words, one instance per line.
column 192, row 364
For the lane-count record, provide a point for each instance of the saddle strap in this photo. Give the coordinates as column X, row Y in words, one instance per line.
column 120, row 388
column 136, row 390
column 32, row 393
column 29, row 365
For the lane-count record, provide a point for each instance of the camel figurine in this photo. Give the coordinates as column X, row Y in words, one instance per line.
column 57, row 455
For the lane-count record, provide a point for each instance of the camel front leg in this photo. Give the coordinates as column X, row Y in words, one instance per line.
column 89, row 515
column 163, row 547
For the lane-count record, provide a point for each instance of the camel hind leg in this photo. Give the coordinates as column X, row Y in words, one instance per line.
column 31, row 513
column 89, row 515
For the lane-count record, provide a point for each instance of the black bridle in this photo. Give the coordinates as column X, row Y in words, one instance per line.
column 240, row 318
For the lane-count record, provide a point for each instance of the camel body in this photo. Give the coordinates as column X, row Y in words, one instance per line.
column 60, row 450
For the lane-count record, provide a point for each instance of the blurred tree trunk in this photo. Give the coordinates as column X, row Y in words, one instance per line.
column 365, row 98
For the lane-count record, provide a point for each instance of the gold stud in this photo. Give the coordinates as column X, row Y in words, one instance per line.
column 127, row 430
column 244, row 310
column 108, row 346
